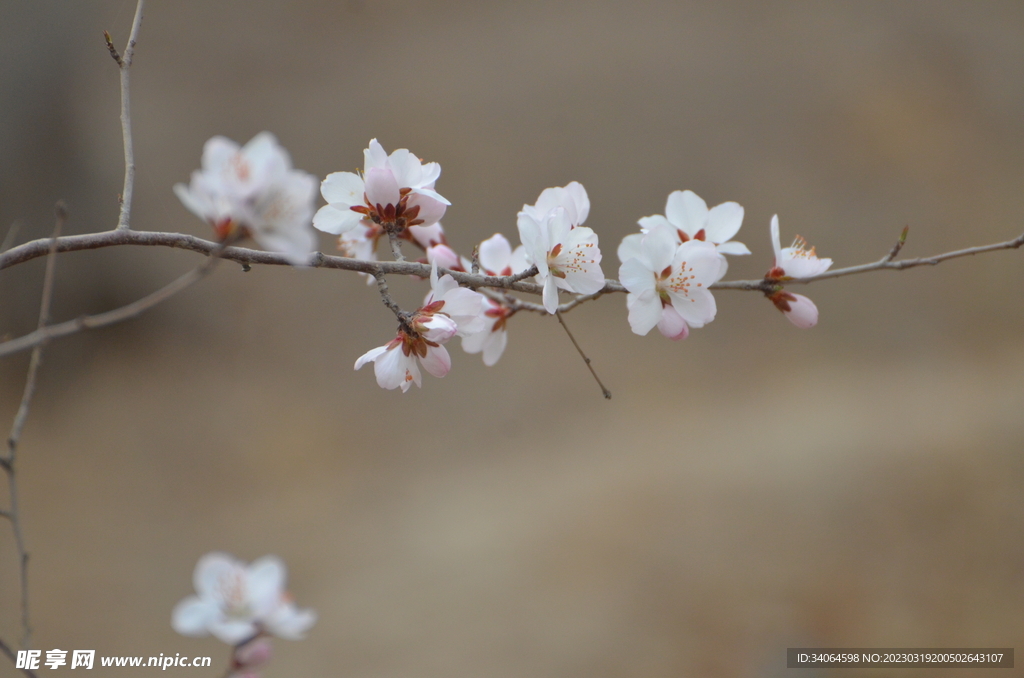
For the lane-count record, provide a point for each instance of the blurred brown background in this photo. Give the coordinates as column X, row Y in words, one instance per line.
column 752, row 488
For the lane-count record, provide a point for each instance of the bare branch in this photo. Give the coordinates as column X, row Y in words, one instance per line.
column 5, row 648
column 883, row 263
column 607, row 394
column 10, row 459
column 90, row 322
column 124, row 63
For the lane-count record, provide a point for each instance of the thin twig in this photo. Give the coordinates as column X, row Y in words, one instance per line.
column 396, row 245
column 883, row 263
column 124, row 63
column 899, row 244
column 385, row 296
column 10, row 459
column 131, row 310
column 607, row 394
column 6, row 649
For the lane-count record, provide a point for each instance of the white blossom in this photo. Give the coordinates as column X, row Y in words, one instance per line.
column 396, row 191
column 236, row 602
column 254, row 191
column 688, row 218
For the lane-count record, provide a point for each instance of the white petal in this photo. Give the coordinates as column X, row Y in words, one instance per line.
column 494, row 346
column 659, row 247
column 218, row 152
column 698, row 308
column 687, row 211
column 330, row 219
column 644, row 312
column 391, row 368
column 629, row 248
column 233, row 631
column 212, row 569
column 193, row 616
column 550, row 296
column 636, row 277
column 775, row 240
column 289, row 622
column 724, row 222
column 370, row 356
column 343, row 188
column 648, row 223
column 431, row 209
column 265, row 584
column 733, row 247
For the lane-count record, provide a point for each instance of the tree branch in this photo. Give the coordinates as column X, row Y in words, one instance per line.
column 10, row 655
column 13, row 513
column 124, row 63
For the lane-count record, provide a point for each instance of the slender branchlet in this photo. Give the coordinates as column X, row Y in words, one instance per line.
column 124, row 63
column 6, row 649
column 604, row 391
column 13, row 512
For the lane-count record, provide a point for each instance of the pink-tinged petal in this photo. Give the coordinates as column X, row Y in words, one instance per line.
column 374, row 157
column 265, row 582
column 644, row 311
column 672, row 324
column 254, row 654
column 427, row 235
column 439, row 328
column 412, row 376
column 330, row 219
column 802, row 312
column 431, row 210
column 636, row 277
column 217, row 153
column 776, row 245
column 550, row 296
column 343, row 189
column 212, row 570
column 443, row 256
column 370, row 356
column 381, row 187
column 474, row 343
column 441, row 286
column 733, row 247
column 233, row 631
column 289, row 622
column 466, row 308
column 629, row 248
column 724, row 222
column 437, row 362
column 495, row 253
column 193, row 616
column 432, row 194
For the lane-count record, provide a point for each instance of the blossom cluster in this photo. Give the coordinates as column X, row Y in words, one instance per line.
column 667, row 269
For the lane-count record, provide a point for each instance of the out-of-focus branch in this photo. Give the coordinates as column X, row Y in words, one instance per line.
column 604, row 391
column 90, row 322
column 5, row 648
column 9, row 461
column 124, row 63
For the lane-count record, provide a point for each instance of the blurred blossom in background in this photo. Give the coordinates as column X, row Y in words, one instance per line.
column 754, row 487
